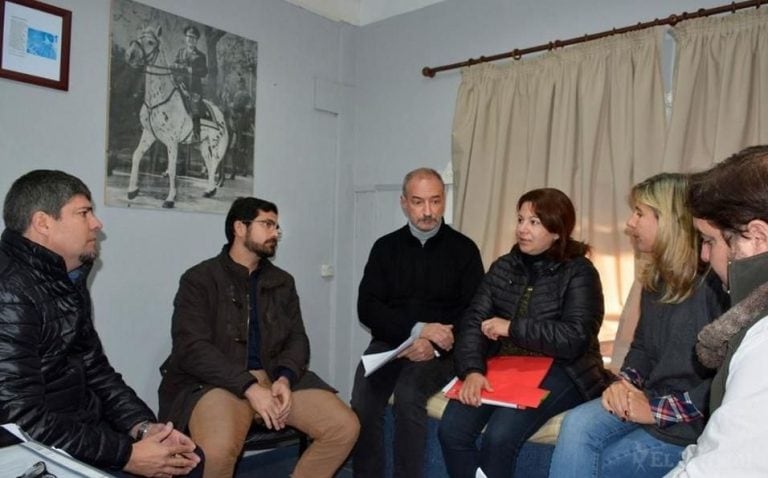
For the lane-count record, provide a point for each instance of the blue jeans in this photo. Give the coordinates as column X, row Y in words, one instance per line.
column 506, row 431
column 593, row 442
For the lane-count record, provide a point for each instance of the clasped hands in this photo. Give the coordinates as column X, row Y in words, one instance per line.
column 432, row 333
column 163, row 452
column 627, row 402
column 272, row 403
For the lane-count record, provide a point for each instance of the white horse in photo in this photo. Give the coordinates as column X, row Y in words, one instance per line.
column 164, row 117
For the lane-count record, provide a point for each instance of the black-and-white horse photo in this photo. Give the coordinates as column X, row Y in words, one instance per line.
column 182, row 112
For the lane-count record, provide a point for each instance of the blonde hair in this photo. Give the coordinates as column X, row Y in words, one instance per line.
column 674, row 259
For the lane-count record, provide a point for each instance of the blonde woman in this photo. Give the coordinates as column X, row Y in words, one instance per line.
column 657, row 405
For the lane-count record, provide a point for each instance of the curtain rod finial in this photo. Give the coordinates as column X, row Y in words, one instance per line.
column 428, row 72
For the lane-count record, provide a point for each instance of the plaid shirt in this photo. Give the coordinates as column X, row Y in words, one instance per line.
column 668, row 409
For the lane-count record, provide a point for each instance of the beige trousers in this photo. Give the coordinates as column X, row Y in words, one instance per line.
column 220, row 421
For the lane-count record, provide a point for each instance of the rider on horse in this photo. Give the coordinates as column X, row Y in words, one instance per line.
column 190, row 67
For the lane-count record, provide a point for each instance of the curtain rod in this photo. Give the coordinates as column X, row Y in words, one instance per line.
column 670, row 20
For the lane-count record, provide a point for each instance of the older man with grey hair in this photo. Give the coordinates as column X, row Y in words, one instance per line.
column 417, row 282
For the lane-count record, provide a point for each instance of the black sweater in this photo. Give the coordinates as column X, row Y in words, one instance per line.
column 405, row 282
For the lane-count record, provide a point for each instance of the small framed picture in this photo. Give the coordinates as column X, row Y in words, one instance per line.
column 34, row 43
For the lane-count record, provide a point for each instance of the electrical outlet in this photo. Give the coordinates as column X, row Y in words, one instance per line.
column 326, row 270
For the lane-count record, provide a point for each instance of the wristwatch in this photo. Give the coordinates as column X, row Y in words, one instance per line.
column 143, row 429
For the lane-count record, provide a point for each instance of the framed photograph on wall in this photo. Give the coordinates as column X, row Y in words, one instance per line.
column 182, row 111
column 34, row 43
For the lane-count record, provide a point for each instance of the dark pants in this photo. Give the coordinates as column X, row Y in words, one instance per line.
column 412, row 383
column 507, row 429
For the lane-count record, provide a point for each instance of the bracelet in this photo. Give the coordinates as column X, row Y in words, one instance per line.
column 142, row 430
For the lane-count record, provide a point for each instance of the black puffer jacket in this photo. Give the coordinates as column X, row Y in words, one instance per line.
column 564, row 316
column 55, row 381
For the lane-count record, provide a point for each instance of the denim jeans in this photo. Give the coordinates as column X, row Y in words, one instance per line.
column 593, row 442
column 506, row 431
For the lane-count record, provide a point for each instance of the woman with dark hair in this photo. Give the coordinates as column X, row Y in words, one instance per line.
column 543, row 298
column 639, row 426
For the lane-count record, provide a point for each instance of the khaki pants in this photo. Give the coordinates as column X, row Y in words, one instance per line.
column 220, row 421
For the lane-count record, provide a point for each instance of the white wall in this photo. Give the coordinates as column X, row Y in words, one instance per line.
column 333, row 174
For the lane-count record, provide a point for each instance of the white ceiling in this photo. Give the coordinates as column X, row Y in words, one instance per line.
column 361, row 12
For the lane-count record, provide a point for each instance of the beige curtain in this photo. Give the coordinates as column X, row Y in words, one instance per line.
column 588, row 120
column 720, row 97
column 720, row 105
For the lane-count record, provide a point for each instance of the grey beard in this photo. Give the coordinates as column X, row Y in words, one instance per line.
column 88, row 258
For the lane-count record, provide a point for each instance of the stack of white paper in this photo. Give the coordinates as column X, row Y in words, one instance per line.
column 373, row 362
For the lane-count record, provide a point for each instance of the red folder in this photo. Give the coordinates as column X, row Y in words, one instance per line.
column 515, row 381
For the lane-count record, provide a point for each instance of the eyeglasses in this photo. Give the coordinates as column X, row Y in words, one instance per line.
column 268, row 224
column 38, row 470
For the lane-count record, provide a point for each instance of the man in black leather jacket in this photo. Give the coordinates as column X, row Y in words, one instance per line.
column 55, row 381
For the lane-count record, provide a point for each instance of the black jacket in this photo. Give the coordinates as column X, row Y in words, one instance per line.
column 564, row 315
column 55, row 381
column 405, row 282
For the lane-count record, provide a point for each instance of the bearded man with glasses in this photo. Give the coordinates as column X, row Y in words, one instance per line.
column 240, row 353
